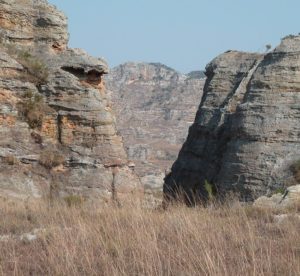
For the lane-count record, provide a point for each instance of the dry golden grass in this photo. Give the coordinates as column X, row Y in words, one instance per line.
column 91, row 240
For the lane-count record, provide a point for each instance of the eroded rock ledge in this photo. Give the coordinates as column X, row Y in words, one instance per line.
column 246, row 134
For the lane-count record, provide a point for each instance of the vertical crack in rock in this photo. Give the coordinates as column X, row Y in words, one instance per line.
column 59, row 128
column 237, row 97
column 228, row 112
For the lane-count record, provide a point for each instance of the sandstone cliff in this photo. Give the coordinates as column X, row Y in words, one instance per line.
column 154, row 107
column 246, row 134
column 57, row 129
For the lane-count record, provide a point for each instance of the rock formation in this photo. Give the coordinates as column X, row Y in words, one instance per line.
column 57, row 129
column 155, row 105
column 246, row 134
column 290, row 198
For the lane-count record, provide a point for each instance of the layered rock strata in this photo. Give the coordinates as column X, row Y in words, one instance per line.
column 154, row 107
column 57, row 128
column 246, row 134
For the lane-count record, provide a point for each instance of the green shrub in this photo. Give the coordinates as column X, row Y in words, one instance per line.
column 268, row 47
column 209, row 189
column 37, row 71
column 51, row 158
column 74, row 200
column 280, row 190
column 24, row 55
column 34, row 66
column 32, row 109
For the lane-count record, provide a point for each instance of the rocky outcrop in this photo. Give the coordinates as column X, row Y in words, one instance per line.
column 154, row 107
column 30, row 22
column 246, row 134
column 57, row 128
column 290, row 198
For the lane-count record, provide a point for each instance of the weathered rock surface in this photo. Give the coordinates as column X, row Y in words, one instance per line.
column 154, row 107
column 246, row 134
column 29, row 22
column 57, row 128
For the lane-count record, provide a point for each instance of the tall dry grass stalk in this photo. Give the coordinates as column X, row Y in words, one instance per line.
column 107, row 240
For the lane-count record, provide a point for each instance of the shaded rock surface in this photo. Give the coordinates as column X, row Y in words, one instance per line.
column 154, row 107
column 246, row 134
column 57, row 128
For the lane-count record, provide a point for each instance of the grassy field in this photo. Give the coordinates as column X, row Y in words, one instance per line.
column 90, row 240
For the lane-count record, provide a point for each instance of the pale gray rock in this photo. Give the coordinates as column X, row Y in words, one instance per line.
column 290, row 198
column 269, row 202
column 25, row 237
column 153, row 182
column 5, row 238
column 28, row 237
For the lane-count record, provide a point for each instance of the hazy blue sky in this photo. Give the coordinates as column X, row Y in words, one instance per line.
column 183, row 34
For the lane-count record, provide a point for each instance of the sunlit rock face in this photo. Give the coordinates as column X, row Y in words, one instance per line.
column 57, row 128
column 246, row 134
column 155, row 105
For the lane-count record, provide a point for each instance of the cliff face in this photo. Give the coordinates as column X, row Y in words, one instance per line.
column 29, row 22
column 155, row 105
column 246, row 134
column 57, row 129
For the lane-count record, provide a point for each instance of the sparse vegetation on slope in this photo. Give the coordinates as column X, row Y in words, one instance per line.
column 34, row 66
column 32, row 109
column 87, row 240
column 51, row 158
column 35, row 69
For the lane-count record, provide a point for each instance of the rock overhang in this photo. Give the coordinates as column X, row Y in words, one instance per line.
column 79, row 59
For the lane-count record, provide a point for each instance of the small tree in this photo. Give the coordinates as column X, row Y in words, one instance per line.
column 209, row 189
column 268, row 47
